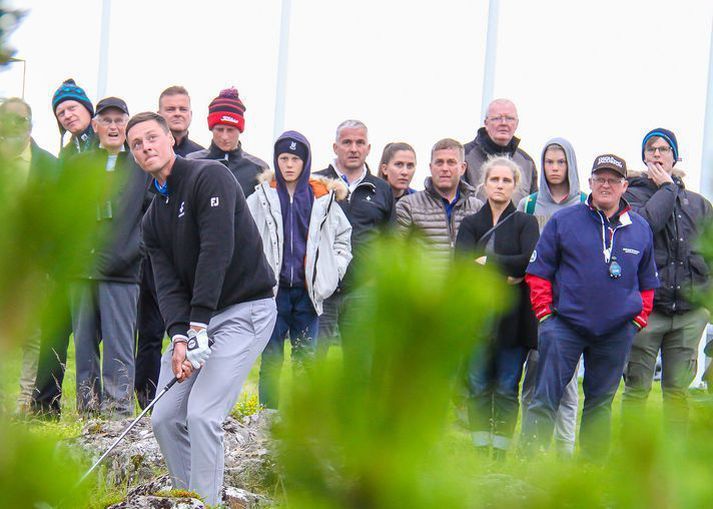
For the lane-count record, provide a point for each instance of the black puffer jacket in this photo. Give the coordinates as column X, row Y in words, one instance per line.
column 676, row 216
column 244, row 166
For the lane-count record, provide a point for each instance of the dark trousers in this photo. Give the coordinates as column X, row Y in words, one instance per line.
column 560, row 347
column 493, row 385
column 151, row 330
column 297, row 318
column 47, row 394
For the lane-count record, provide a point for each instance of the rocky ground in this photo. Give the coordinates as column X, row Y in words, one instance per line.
column 249, row 466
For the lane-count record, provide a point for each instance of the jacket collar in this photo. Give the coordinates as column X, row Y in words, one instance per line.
column 464, row 192
column 216, row 153
column 487, row 213
column 621, row 216
column 179, row 170
column 488, row 146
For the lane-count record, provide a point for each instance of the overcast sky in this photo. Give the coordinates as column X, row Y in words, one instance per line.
column 600, row 74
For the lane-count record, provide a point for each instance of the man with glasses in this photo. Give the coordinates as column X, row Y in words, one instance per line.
column 676, row 216
column 24, row 163
column 592, row 278
column 497, row 138
column 103, row 298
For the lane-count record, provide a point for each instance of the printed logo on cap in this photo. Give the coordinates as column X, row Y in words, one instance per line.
column 293, row 146
column 609, row 160
column 228, row 118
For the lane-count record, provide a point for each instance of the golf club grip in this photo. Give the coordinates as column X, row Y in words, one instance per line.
column 175, row 379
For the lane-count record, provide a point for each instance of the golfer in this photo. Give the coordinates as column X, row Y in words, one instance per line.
column 212, row 281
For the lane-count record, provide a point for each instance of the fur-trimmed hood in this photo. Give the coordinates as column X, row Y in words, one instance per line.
column 632, row 174
column 320, row 185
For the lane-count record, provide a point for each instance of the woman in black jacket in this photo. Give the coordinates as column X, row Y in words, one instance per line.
column 500, row 236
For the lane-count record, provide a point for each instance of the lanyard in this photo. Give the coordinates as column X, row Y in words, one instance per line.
column 607, row 250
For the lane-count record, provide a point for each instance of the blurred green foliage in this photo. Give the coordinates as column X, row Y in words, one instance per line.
column 363, row 431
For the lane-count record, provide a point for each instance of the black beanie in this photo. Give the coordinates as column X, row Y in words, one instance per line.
column 292, row 147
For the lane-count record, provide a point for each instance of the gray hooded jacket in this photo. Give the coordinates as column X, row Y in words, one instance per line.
column 545, row 206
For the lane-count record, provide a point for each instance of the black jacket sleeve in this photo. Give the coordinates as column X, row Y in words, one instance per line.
column 658, row 208
column 214, row 201
column 466, row 240
column 529, row 234
column 173, row 297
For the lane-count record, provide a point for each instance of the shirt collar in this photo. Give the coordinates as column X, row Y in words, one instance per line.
column 26, row 155
column 342, row 176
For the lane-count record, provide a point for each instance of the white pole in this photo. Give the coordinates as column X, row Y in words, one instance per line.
column 707, row 157
column 103, row 49
column 280, row 91
column 491, row 45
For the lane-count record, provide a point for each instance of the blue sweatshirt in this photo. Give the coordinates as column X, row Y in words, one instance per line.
column 570, row 253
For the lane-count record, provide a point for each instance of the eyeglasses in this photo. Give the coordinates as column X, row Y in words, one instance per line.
column 14, row 121
column 600, row 181
column 106, row 121
column 502, row 119
column 662, row 150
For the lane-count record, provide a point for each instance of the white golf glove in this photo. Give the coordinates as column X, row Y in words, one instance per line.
column 198, row 349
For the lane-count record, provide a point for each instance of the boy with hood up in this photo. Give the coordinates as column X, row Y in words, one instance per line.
column 307, row 241
column 559, row 188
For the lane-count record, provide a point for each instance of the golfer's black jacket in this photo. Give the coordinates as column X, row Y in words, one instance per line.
column 205, row 249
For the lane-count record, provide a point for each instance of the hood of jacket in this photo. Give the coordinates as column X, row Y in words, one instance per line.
column 633, row 175
column 544, row 197
column 304, row 177
column 321, row 185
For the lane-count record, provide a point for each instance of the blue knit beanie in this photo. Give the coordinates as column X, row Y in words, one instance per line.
column 70, row 91
column 667, row 135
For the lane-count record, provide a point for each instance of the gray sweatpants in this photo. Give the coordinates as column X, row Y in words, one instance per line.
column 188, row 421
column 104, row 311
column 566, row 422
column 30, row 360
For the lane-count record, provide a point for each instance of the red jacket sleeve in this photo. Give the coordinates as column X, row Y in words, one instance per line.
column 540, row 295
column 647, row 301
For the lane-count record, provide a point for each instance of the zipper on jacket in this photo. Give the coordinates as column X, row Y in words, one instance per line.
column 267, row 201
column 292, row 242
column 316, row 254
column 675, row 259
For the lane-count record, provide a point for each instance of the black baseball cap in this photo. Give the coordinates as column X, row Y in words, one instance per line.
column 610, row 162
column 111, row 102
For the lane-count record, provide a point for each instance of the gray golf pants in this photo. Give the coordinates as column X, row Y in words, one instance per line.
column 566, row 422
column 104, row 311
column 188, row 421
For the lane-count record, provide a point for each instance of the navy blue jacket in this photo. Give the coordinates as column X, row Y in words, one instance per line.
column 570, row 255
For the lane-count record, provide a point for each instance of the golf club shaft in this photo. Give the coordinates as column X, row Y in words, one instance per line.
column 133, row 423
column 129, row 428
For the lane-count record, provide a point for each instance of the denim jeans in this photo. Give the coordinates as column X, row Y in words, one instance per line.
column 297, row 318
column 560, row 348
column 493, row 385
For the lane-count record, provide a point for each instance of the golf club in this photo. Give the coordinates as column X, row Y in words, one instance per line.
column 130, row 427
